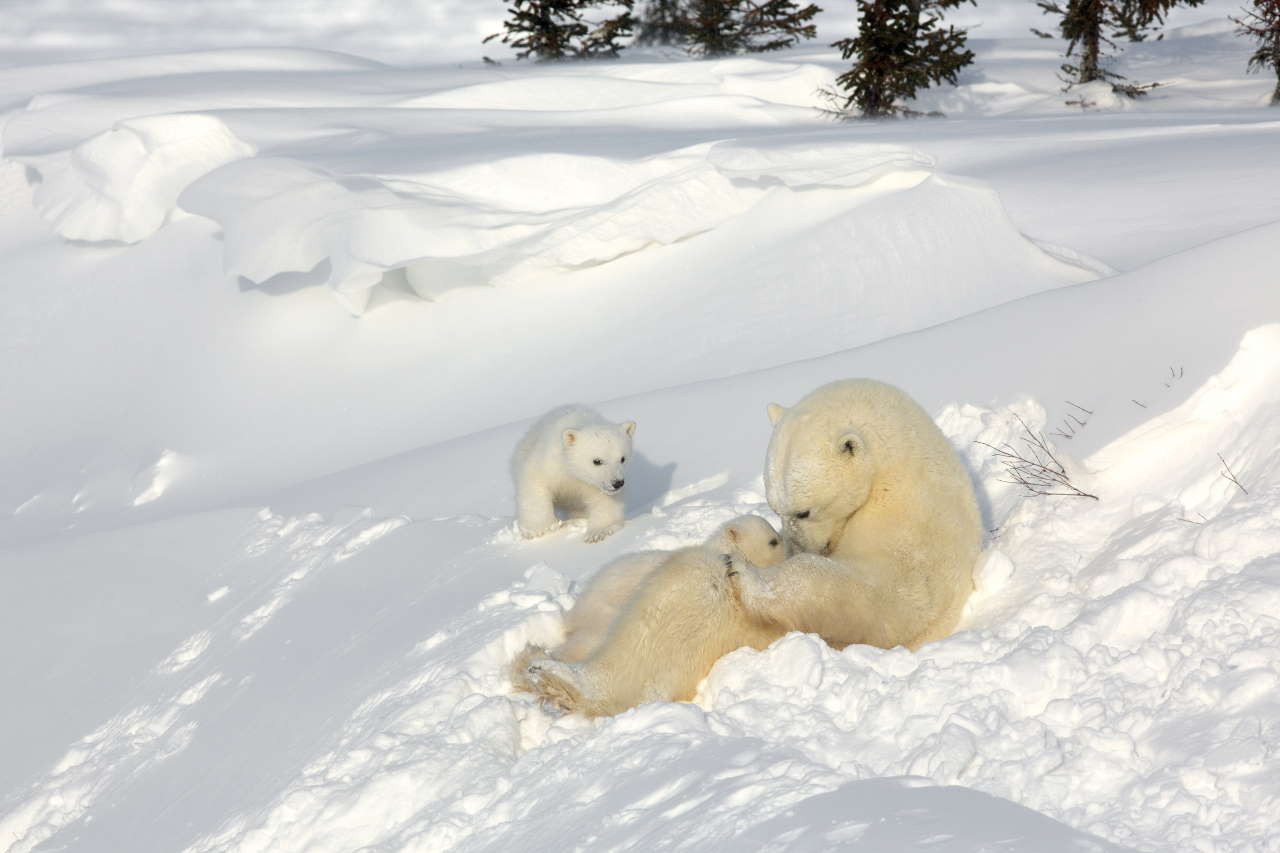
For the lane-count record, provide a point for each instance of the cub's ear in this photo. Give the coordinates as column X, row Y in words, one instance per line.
column 775, row 412
column 734, row 535
column 569, row 436
column 850, row 443
column 629, row 427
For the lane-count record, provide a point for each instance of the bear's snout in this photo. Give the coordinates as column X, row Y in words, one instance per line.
column 617, row 484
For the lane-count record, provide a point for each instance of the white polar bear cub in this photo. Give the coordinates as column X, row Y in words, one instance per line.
column 879, row 515
column 667, row 626
column 575, row 460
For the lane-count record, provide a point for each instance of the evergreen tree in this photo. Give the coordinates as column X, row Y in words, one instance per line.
column 1263, row 23
column 664, row 22
column 900, row 49
column 1085, row 25
column 556, row 29
column 721, row 27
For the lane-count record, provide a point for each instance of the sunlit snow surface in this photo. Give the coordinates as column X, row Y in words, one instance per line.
column 260, row 578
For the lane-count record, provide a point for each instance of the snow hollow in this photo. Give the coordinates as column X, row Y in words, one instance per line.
column 275, row 317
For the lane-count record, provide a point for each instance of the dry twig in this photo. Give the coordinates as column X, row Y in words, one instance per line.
column 1036, row 468
column 1230, row 475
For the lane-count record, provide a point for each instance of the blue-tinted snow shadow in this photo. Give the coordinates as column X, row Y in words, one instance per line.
column 908, row 814
column 647, row 483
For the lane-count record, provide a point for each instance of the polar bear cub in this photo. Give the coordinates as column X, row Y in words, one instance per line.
column 574, row 460
column 668, row 623
column 608, row 591
column 878, row 513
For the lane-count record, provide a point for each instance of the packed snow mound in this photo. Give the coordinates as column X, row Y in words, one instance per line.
column 122, row 184
column 626, row 85
column 506, row 221
column 529, row 216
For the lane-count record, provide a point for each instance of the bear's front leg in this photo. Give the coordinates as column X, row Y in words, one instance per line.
column 604, row 517
column 535, row 512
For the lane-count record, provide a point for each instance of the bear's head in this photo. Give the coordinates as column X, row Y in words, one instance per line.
column 598, row 454
column 818, row 473
column 751, row 537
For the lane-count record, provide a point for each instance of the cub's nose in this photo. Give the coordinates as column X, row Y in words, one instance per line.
column 617, row 484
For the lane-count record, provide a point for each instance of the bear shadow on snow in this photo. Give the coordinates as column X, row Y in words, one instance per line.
column 647, row 483
column 985, row 509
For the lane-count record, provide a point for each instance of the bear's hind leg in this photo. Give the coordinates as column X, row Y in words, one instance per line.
column 558, row 683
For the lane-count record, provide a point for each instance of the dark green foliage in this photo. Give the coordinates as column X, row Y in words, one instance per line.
column 900, row 49
column 721, row 27
column 556, row 29
column 1089, row 25
column 663, row 22
column 1262, row 22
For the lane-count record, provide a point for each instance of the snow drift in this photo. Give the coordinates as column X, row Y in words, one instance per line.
column 123, row 184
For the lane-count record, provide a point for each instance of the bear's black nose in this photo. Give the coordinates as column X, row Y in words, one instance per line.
column 617, row 484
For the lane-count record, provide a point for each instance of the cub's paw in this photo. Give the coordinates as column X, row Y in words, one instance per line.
column 533, row 532
column 596, row 534
column 746, row 580
column 731, row 567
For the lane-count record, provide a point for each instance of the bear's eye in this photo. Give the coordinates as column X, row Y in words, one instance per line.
column 623, row 459
column 773, row 543
column 804, row 514
column 597, row 461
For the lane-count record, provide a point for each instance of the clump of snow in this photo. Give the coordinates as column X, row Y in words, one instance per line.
column 123, row 184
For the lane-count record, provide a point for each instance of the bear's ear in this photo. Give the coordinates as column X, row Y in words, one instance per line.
column 629, row 427
column 569, row 436
column 732, row 532
column 850, row 443
column 775, row 412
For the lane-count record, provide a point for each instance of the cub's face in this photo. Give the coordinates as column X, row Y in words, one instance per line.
column 598, row 455
column 751, row 537
column 816, row 478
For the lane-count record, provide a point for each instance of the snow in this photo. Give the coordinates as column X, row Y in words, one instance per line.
column 261, row 577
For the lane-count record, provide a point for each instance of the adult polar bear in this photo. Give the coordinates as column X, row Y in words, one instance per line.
column 879, row 515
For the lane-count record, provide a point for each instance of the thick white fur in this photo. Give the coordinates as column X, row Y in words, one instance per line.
column 886, row 554
column 553, row 467
column 650, row 626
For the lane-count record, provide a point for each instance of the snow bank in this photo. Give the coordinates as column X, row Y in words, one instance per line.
column 1117, row 671
column 508, row 220
column 307, row 191
column 1119, row 665
column 123, row 184
column 502, row 224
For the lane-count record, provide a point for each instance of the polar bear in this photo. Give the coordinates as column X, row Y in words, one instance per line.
column 575, row 460
column 878, row 513
column 648, row 628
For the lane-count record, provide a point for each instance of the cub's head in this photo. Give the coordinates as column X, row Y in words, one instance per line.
column 818, row 473
column 749, row 536
column 598, row 454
